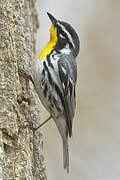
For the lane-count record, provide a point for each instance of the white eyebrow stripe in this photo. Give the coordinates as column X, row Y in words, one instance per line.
column 69, row 36
column 61, row 25
column 62, row 36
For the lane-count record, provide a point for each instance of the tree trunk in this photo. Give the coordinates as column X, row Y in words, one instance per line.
column 21, row 154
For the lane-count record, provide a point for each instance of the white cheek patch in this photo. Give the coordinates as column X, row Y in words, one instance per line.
column 66, row 50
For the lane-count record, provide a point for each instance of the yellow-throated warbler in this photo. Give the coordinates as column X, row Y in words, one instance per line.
column 55, row 75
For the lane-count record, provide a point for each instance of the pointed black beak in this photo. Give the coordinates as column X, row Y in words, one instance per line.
column 53, row 20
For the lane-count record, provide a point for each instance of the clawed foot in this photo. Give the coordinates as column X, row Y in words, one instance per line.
column 25, row 75
column 29, row 124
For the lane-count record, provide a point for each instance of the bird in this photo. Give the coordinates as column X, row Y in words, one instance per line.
column 55, row 76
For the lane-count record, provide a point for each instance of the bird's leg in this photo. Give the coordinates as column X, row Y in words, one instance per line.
column 25, row 75
column 35, row 129
column 30, row 126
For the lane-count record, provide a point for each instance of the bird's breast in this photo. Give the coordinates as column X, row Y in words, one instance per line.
column 46, row 80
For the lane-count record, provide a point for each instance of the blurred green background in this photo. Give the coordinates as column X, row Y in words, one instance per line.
column 95, row 146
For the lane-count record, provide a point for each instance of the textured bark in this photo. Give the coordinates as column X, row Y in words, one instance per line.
column 21, row 154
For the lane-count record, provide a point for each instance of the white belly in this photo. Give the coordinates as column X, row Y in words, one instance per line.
column 45, row 90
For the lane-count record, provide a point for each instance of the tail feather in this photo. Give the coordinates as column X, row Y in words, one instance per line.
column 61, row 125
column 66, row 155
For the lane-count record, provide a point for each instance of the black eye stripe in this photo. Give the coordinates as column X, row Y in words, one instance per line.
column 64, row 34
column 61, row 31
column 63, row 38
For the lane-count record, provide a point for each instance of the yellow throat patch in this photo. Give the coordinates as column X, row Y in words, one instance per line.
column 53, row 40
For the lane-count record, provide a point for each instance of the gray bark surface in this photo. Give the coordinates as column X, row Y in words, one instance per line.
column 21, row 156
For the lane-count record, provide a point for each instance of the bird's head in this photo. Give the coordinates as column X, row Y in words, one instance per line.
column 64, row 36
